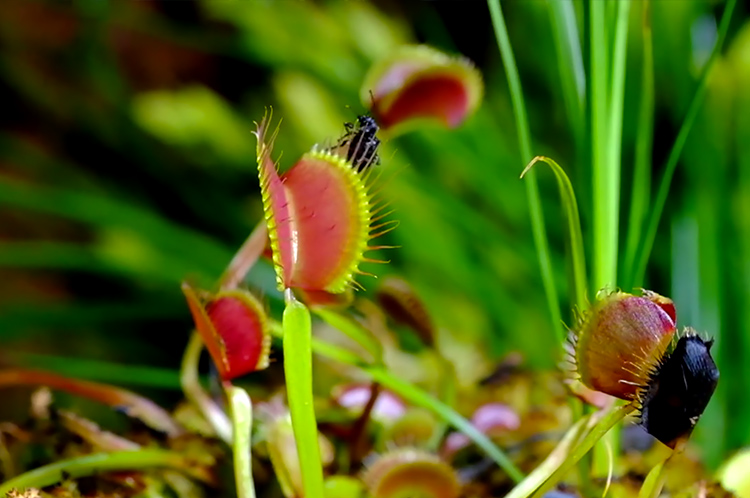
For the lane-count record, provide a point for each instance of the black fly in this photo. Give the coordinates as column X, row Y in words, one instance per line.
column 361, row 143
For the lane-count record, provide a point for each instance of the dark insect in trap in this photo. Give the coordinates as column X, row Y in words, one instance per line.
column 361, row 143
column 627, row 346
column 679, row 391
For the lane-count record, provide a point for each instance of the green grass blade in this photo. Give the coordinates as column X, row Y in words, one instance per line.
column 609, row 202
column 298, row 371
column 639, row 201
column 532, row 188
column 578, row 258
column 598, row 77
column 570, row 64
column 242, row 421
column 679, row 144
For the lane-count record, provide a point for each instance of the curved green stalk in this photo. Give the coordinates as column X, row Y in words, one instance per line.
column 578, row 258
column 242, row 421
column 532, row 187
column 674, row 154
column 103, row 462
column 298, row 371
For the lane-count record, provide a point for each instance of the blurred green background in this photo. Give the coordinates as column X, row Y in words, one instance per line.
column 127, row 164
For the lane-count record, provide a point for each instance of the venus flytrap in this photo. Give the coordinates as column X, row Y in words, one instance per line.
column 320, row 219
column 417, row 83
column 233, row 326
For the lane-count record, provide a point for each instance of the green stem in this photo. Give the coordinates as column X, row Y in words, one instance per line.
column 102, row 462
column 639, row 200
column 603, row 267
column 679, row 144
column 602, row 427
column 554, row 460
column 532, row 187
column 242, row 421
column 611, row 173
column 194, row 392
column 298, row 370
column 654, row 482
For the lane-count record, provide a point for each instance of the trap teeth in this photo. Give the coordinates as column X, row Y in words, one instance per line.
column 621, row 341
column 233, row 327
column 621, row 347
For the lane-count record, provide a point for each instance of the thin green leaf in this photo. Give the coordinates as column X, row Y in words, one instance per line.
column 578, row 258
column 532, row 188
column 298, row 370
column 679, row 144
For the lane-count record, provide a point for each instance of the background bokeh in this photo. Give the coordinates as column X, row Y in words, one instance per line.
column 127, row 163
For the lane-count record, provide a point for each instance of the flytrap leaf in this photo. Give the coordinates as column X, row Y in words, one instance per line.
column 418, row 82
column 234, row 329
column 319, row 214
